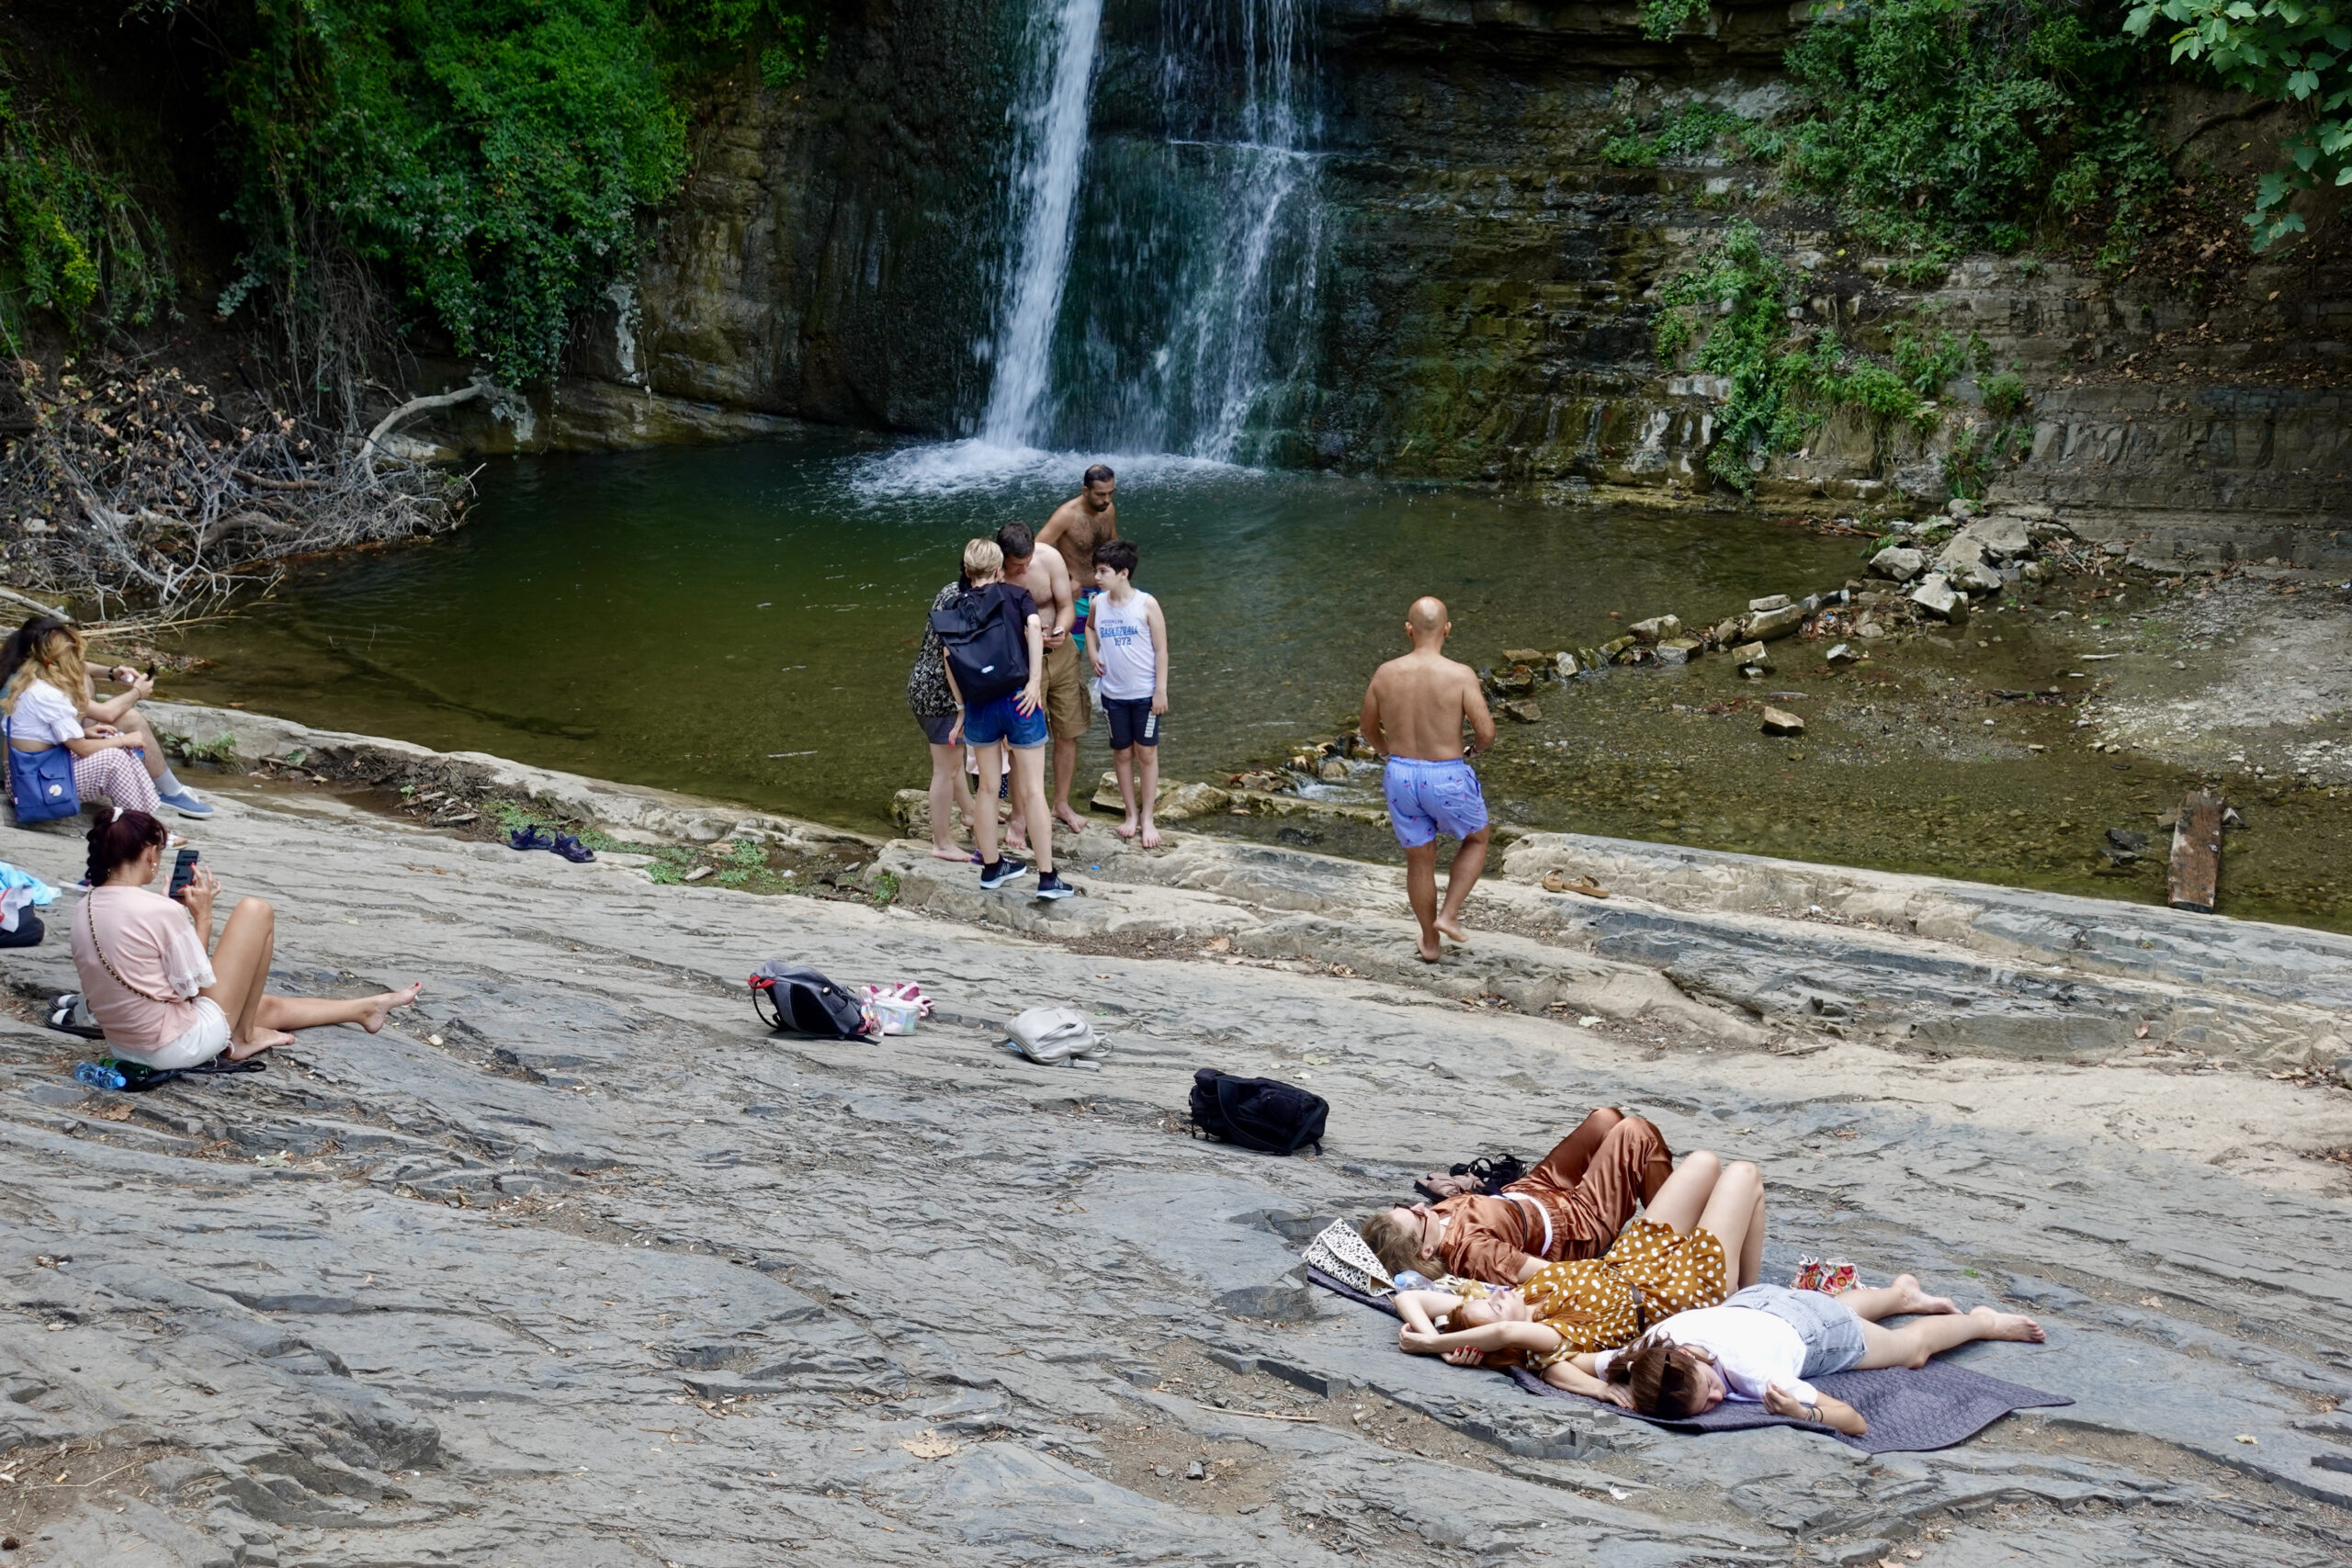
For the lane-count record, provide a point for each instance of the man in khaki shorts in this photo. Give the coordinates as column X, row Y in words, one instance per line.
column 1068, row 714
column 1086, row 520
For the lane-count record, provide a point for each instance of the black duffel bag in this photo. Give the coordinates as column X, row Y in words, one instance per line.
column 1266, row 1114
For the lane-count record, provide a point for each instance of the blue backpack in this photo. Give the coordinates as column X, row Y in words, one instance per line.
column 42, row 782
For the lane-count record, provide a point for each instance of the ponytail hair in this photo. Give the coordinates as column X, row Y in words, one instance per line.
column 1666, row 1380
column 117, row 837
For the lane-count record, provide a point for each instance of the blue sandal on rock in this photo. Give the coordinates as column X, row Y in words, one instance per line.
column 572, row 850
column 529, row 836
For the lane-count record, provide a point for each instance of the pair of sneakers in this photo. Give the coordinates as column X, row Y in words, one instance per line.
column 996, row 876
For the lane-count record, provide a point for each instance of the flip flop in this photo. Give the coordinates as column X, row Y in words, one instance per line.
column 223, row 1063
column 529, row 836
column 69, row 1012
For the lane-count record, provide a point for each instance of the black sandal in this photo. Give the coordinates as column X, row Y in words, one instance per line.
column 70, row 1012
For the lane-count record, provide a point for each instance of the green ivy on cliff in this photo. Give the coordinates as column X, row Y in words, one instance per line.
column 493, row 159
column 1732, row 301
column 1940, row 126
column 73, row 240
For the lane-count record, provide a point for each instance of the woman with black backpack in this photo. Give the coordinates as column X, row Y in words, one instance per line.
column 993, row 652
column 933, row 704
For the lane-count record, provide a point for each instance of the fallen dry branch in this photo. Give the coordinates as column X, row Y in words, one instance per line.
column 135, row 486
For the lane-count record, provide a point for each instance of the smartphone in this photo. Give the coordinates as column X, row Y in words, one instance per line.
column 183, row 871
column 150, row 672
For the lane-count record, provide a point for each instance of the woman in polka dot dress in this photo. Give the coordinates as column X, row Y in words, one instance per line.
column 1702, row 1238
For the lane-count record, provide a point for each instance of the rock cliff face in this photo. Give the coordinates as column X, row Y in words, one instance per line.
column 1484, row 310
column 1490, row 317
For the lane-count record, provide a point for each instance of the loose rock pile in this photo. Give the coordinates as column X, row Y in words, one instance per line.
column 1928, row 574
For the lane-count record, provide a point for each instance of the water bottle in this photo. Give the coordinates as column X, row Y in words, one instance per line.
column 96, row 1076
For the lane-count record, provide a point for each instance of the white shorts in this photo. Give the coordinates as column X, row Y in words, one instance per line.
column 205, row 1039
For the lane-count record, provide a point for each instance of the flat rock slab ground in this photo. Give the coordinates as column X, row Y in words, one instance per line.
column 576, row 1265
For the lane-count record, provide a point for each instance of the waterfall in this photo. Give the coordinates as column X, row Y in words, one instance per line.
column 1161, row 288
column 1049, row 155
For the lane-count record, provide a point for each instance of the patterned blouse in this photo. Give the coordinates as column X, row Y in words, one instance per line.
column 927, row 690
column 1603, row 1303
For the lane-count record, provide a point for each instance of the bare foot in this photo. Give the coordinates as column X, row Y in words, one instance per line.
column 1428, row 949
column 1125, row 829
column 1151, row 835
column 1068, row 817
column 1451, row 925
column 263, row 1039
column 950, row 851
column 1017, row 843
column 2009, row 1326
column 1913, row 1299
column 377, row 1006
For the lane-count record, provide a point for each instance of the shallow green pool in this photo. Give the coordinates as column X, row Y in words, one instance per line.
column 739, row 622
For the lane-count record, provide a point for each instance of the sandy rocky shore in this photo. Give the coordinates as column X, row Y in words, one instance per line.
column 576, row 1264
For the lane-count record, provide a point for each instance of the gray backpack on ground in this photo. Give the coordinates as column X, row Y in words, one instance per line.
column 1052, row 1036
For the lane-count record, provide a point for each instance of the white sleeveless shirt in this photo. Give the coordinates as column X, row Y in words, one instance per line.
column 1130, row 666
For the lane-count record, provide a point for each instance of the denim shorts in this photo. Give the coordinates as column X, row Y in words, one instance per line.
column 1002, row 720
column 1832, row 1333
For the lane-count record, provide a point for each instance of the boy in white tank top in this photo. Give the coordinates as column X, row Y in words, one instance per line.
column 1127, row 639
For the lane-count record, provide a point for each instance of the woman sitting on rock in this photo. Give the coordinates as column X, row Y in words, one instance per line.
column 45, row 689
column 166, row 994
column 1701, row 1239
column 1763, row 1345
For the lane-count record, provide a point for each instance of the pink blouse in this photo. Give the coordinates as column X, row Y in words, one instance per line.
column 142, row 972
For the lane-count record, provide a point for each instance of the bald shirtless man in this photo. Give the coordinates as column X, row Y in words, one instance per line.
column 1078, row 525
column 1412, row 714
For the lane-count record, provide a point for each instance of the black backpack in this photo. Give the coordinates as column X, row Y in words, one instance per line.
column 1258, row 1113
column 801, row 1002
column 988, row 651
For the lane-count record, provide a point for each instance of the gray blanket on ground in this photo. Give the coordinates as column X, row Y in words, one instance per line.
column 1908, row 1412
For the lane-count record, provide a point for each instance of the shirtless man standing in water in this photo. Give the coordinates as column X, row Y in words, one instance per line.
column 1086, row 520
column 1412, row 714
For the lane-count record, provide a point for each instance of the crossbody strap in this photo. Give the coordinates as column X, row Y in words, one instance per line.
column 1537, row 1205
column 90, row 913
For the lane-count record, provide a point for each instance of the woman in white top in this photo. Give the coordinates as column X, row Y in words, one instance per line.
column 165, row 993
column 117, row 715
column 1765, row 1342
column 43, row 702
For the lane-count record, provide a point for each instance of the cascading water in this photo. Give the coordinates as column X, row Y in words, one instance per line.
column 1048, row 157
column 1160, row 295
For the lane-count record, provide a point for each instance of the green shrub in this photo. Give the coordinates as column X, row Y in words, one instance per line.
column 1691, row 128
column 493, row 158
column 1732, row 301
column 1945, row 125
column 73, row 240
column 2005, row 396
column 1661, row 19
column 2288, row 51
column 1927, row 361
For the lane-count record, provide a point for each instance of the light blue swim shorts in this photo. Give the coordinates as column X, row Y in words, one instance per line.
column 1427, row 799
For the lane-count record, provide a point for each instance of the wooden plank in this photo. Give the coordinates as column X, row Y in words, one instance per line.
column 2196, row 876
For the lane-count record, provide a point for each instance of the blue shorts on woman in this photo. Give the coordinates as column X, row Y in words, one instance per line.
column 1001, row 719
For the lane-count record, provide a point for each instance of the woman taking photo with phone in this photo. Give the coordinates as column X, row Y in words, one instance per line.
column 46, row 690
column 165, row 993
